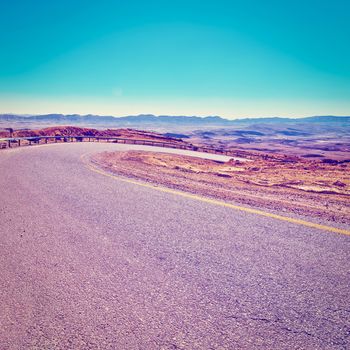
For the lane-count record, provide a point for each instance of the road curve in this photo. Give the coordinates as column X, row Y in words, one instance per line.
column 90, row 262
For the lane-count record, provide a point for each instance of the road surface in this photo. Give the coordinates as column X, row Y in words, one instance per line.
column 90, row 262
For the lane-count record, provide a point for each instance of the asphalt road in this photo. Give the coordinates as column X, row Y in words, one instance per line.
column 90, row 262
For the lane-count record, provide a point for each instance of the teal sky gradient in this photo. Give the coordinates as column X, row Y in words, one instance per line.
column 233, row 58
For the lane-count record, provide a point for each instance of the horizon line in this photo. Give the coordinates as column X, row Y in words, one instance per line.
column 168, row 115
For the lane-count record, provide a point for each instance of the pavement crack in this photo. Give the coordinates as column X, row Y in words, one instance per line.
column 263, row 319
column 278, row 323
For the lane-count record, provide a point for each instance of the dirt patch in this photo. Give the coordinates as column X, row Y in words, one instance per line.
column 303, row 187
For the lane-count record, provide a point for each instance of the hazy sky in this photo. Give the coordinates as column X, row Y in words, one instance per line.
column 233, row 58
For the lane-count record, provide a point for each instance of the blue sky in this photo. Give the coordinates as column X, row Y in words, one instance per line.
column 230, row 58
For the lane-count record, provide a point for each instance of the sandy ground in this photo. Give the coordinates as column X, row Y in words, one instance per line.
column 301, row 186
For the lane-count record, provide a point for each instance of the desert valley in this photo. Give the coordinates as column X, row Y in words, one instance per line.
column 299, row 166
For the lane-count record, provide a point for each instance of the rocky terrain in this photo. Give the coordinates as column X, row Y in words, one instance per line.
column 280, row 183
column 323, row 137
column 299, row 169
column 306, row 140
column 77, row 131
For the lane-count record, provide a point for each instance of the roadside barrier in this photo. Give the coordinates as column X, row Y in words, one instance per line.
column 38, row 140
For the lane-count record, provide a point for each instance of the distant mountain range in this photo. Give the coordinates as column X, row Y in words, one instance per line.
column 150, row 120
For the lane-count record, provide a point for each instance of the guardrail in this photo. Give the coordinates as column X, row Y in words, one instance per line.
column 36, row 140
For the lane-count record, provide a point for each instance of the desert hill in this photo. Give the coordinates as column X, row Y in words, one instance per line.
column 76, row 131
column 150, row 120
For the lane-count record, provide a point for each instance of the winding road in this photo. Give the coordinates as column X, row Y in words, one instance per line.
column 92, row 262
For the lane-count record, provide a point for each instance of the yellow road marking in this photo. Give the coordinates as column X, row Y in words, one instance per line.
column 217, row 202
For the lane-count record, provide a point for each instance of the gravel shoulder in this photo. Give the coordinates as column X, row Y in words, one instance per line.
column 301, row 188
